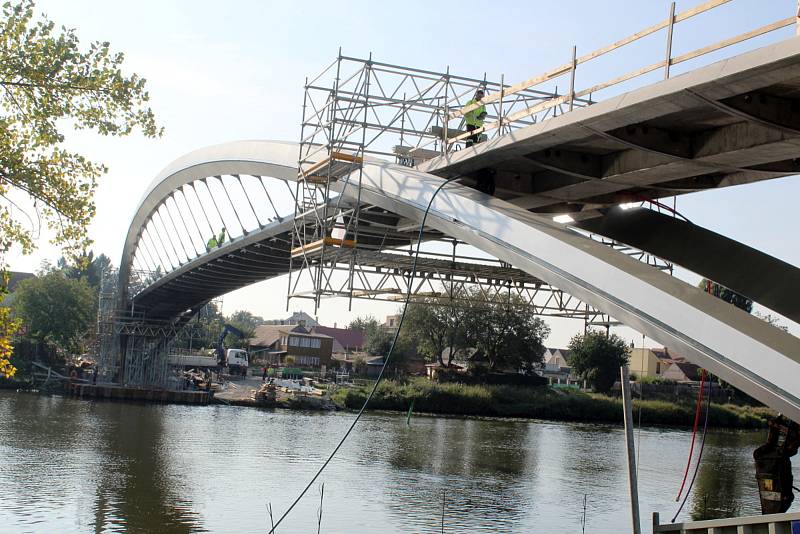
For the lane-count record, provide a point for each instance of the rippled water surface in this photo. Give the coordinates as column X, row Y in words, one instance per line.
column 74, row 466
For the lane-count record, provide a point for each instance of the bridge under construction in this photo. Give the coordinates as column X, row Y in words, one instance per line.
column 567, row 200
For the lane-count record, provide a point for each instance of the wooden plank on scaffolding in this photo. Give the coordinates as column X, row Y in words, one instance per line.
column 420, row 154
column 319, row 171
column 316, row 245
column 438, row 131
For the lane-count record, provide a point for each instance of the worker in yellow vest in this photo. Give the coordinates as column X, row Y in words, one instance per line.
column 216, row 240
column 474, row 118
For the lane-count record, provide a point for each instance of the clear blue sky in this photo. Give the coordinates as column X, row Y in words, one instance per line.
column 224, row 71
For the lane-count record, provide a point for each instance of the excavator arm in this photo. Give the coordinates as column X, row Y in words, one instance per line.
column 227, row 329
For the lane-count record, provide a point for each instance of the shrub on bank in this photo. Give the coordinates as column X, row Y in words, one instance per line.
column 537, row 403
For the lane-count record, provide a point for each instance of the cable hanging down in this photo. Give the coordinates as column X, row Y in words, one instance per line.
column 383, row 368
column 697, row 411
column 699, row 454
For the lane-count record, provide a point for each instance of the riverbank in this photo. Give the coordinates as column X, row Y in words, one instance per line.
column 538, row 403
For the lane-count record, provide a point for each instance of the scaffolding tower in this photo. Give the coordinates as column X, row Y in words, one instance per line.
column 356, row 109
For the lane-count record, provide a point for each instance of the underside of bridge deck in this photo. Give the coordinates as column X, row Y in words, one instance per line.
column 730, row 123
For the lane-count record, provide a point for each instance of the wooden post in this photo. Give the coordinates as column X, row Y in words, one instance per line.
column 668, row 60
column 572, row 76
column 633, row 483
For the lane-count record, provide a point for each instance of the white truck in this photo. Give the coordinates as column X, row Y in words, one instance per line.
column 193, row 361
column 237, row 361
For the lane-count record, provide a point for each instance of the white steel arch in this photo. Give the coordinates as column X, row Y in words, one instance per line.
column 754, row 356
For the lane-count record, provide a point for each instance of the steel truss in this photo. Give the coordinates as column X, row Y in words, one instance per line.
column 385, row 276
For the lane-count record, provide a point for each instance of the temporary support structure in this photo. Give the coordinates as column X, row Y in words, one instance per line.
column 361, row 108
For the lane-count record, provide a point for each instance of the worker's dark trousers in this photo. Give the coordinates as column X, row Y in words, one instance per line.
column 472, row 139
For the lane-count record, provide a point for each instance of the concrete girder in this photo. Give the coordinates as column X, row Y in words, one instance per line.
column 741, row 148
column 667, row 105
column 751, row 71
column 767, row 280
column 761, row 108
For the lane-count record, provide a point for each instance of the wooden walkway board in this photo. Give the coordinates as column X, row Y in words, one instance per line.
column 335, row 165
column 317, row 245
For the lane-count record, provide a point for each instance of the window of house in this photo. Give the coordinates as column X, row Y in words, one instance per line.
column 312, row 361
column 307, row 342
column 658, row 368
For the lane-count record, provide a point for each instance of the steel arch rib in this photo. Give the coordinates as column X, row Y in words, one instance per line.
column 261, row 158
column 759, row 359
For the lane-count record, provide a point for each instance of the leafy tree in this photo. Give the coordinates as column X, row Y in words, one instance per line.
column 376, row 340
column 55, row 309
column 728, row 295
column 361, row 323
column 49, row 82
column 507, row 332
column 8, row 328
column 435, row 323
column 247, row 323
column 86, row 267
column 243, row 319
column 597, row 358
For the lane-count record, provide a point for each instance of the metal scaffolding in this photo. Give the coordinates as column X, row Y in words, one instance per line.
column 358, row 108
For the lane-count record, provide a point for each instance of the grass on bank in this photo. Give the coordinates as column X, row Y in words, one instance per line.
column 538, row 403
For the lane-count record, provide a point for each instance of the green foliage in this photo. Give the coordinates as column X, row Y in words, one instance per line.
column 505, row 329
column 86, row 267
column 244, row 320
column 432, row 324
column 8, row 328
column 48, row 82
column 597, row 358
column 377, row 341
column 247, row 323
column 508, row 332
column 55, row 309
column 654, row 380
column 728, row 295
column 538, row 403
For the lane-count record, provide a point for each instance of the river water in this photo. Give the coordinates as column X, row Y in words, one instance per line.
column 69, row 466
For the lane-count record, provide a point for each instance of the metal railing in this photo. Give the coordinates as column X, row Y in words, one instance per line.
column 755, row 524
column 569, row 69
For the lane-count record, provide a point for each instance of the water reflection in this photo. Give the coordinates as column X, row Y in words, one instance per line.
column 108, row 452
column 721, row 480
column 138, row 487
column 432, row 460
column 72, row 466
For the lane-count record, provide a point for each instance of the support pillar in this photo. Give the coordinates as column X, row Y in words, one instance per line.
column 633, row 483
